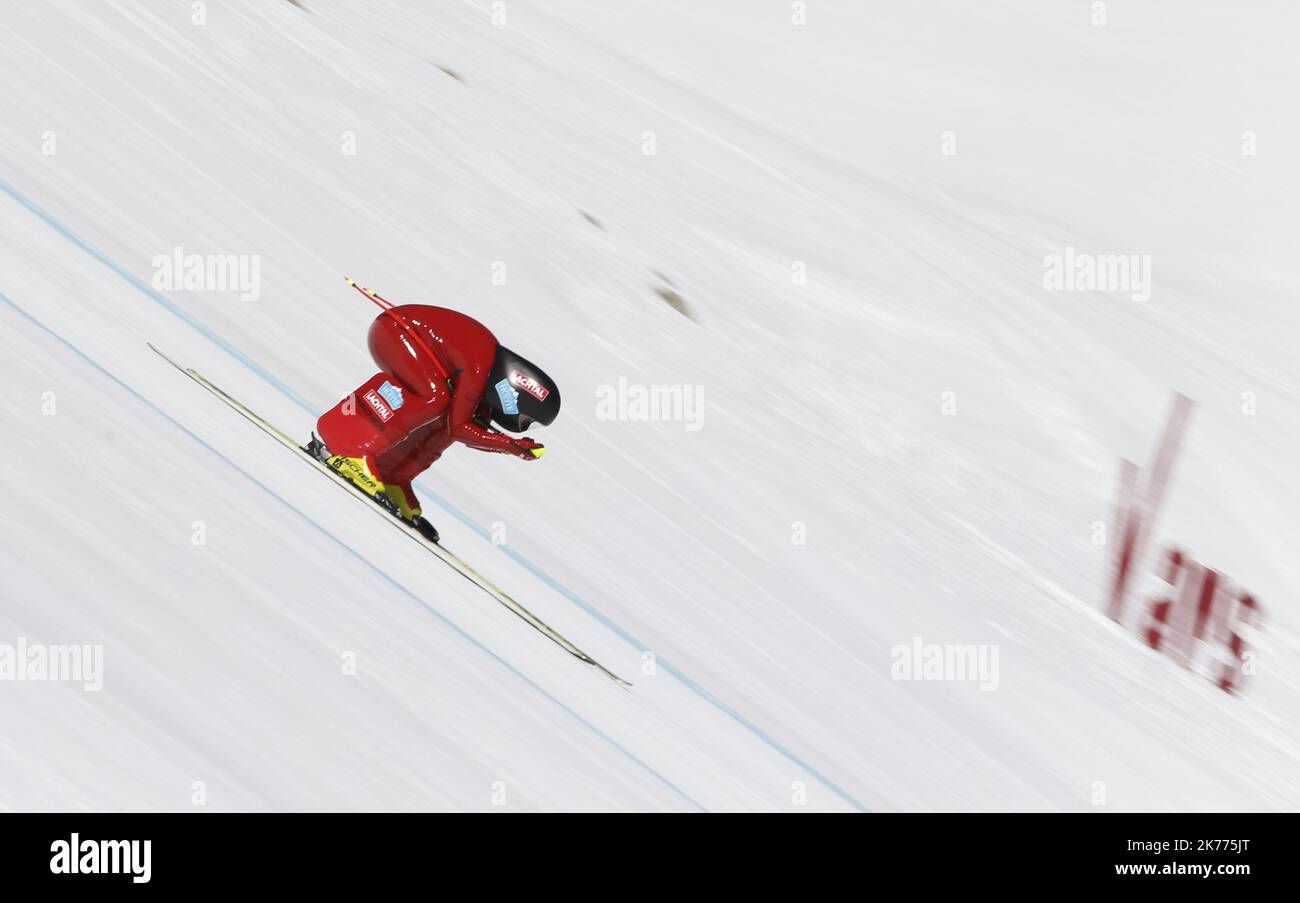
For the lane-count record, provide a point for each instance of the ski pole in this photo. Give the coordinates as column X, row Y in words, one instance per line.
column 387, row 307
column 382, row 302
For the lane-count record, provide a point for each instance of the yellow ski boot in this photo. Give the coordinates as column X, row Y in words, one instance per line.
column 357, row 472
column 395, row 498
column 407, row 505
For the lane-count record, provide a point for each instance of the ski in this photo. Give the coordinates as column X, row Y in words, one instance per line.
column 449, row 558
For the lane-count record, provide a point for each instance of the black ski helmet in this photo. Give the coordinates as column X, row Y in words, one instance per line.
column 520, row 393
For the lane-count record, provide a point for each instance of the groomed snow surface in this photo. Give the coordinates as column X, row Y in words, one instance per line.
column 833, row 228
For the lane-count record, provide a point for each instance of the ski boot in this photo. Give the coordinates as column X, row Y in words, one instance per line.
column 398, row 500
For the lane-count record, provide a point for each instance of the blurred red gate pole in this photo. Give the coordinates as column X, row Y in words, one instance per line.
column 1139, row 502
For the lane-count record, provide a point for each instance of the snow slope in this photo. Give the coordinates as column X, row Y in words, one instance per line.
column 517, row 149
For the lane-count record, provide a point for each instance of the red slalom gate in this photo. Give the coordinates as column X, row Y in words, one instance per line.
column 1140, row 504
column 1199, row 618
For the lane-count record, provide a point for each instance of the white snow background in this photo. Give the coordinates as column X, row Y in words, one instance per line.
column 554, row 169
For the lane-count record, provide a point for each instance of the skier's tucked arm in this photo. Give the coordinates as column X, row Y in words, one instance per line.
column 471, row 434
column 469, row 414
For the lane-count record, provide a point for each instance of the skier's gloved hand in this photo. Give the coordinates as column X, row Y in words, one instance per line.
column 529, row 450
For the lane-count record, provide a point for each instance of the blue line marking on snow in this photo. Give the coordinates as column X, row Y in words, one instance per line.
column 155, row 295
column 351, row 551
column 313, row 410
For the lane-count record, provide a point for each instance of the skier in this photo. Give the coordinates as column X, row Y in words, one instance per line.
column 444, row 378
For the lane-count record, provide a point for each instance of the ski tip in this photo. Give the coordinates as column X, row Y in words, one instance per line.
column 162, row 354
column 349, row 280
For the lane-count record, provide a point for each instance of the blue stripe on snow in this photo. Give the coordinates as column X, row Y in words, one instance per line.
column 443, row 503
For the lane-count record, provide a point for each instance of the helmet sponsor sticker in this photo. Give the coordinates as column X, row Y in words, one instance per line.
column 529, row 385
column 392, row 394
column 509, row 397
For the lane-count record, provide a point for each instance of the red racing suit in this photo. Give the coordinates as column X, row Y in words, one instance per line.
column 404, row 417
